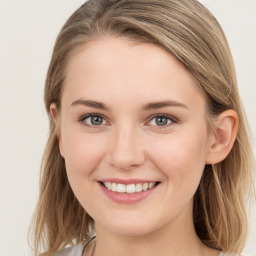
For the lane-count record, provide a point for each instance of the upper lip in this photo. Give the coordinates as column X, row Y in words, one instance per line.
column 127, row 181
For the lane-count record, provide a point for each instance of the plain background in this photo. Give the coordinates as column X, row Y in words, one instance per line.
column 28, row 29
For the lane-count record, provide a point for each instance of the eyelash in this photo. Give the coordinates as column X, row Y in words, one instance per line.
column 168, row 117
column 84, row 117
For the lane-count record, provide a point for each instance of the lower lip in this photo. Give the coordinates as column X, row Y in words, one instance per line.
column 126, row 198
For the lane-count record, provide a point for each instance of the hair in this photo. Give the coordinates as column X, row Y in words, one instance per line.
column 189, row 32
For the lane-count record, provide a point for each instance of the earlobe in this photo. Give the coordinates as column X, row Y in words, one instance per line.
column 225, row 131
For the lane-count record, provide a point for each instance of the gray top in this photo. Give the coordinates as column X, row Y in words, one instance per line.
column 77, row 250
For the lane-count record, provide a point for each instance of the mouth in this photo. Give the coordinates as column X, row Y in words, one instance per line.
column 131, row 188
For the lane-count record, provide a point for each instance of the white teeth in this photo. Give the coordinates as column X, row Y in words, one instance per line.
column 108, row 185
column 129, row 188
column 151, row 185
column 113, row 187
column 145, row 186
column 120, row 188
column 138, row 187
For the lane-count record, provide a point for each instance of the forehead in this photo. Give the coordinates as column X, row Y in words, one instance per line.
column 112, row 68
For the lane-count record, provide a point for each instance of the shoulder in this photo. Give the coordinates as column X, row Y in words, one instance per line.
column 76, row 250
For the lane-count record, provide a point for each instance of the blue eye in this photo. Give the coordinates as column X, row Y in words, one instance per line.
column 93, row 120
column 161, row 120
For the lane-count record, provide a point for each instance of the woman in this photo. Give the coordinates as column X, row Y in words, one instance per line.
column 148, row 145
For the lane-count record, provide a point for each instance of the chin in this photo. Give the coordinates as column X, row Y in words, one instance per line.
column 130, row 231
column 127, row 226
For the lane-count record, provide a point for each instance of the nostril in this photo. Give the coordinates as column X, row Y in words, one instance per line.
column 126, row 153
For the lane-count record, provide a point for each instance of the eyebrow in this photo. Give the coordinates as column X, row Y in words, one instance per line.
column 149, row 106
column 162, row 104
column 90, row 103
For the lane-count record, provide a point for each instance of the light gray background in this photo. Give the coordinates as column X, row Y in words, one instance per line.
column 28, row 29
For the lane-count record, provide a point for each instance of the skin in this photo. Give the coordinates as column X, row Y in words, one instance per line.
column 129, row 144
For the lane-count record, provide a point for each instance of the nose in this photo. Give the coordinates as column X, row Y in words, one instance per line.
column 126, row 150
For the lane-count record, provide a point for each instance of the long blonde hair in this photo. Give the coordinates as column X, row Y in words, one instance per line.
column 188, row 31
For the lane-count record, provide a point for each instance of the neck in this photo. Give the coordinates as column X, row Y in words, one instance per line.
column 174, row 239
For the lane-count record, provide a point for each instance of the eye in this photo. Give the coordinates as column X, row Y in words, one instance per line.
column 162, row 120
column 93, row 120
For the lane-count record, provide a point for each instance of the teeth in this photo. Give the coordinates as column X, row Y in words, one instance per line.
column 129, row 188
column 113, row 187
column 151, row 185
column 138, row 187
column 121, row 188
column 108, row 185
column 145, row 186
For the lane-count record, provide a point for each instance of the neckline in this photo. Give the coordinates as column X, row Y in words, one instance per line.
column 89, row 241
column 92, row 238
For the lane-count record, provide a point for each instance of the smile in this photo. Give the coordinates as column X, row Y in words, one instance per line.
column 128, row 191
column 129, row 188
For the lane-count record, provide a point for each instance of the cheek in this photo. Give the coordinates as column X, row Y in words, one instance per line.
column 181, row 157
column 82, row 152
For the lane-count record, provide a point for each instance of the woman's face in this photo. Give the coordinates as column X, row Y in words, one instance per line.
column 132, row 120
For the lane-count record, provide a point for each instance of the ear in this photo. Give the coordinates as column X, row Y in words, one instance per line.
column 54, row 112
column 224, row 135
column 56, row 118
